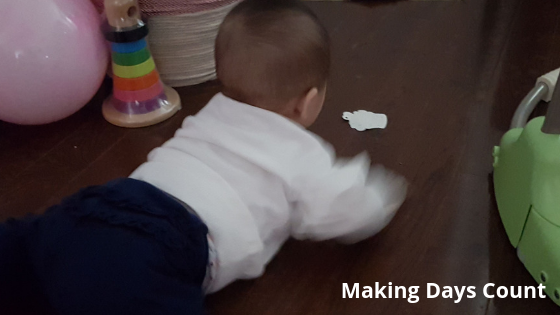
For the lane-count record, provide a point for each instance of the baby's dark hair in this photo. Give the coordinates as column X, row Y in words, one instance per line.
column 269, row 52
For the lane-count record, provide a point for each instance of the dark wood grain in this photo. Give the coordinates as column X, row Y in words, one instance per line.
column 448, row 74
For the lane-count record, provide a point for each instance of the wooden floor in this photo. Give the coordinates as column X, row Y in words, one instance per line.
column 448, row 74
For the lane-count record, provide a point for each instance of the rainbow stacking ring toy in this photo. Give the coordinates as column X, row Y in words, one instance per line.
column 139, row 97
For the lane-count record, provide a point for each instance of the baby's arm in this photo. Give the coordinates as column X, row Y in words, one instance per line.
column 349, row 201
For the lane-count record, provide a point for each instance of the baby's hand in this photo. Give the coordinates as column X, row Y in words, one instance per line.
column 392, row 187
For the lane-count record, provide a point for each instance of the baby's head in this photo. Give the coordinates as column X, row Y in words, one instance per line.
column 274, row 54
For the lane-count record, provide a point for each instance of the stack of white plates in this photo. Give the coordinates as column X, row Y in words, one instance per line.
column 183, row 45
column 182, row 35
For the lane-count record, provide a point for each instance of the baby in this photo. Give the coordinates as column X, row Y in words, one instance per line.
column 216, row 202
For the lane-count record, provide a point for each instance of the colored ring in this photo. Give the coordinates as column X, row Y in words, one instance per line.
column 127, row 48
column 126, row 35
column 134, row 84
column 136, row 71
column 131, row 59
column 137, row 108
column 139, row 95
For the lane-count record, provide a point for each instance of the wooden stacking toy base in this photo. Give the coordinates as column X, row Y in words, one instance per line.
column 126, row 117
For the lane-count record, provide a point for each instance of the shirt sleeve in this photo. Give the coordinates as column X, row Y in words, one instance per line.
column 348, row 201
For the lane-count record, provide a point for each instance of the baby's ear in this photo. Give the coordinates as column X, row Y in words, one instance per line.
column 305, row 104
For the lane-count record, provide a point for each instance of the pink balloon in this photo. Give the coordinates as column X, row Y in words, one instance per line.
column 53, row 58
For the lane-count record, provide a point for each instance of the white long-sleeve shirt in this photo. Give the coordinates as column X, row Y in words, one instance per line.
column 256, row 178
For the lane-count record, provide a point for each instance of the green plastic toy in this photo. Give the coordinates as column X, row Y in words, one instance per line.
column 527, row 186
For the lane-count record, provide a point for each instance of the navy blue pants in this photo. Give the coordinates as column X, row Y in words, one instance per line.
column 121, row 248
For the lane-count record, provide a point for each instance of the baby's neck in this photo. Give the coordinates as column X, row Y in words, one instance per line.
column 279, row 108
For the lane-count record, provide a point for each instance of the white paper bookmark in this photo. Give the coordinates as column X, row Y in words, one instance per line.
column 363, row 119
